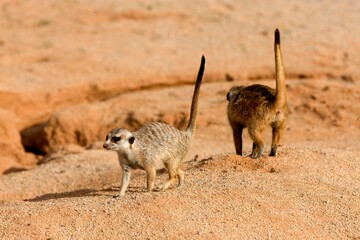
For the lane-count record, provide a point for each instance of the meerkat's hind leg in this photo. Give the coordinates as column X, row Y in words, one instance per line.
column 172, row 180
column 151, row 174
column 277, row 131
column 237, row 135
column 258, row 150
column 256, row 136
column 174, row 172
column 180, row 175
column 253, row 149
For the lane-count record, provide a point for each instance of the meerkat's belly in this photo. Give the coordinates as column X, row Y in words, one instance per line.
column 160, row 142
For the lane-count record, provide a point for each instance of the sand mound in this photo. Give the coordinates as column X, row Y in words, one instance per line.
column 303, row 192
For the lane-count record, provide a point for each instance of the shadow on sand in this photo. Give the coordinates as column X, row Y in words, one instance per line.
column 108, row 192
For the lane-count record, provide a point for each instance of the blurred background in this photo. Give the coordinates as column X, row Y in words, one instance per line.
column 72, row 70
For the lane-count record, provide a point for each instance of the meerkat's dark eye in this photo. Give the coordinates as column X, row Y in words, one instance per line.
column 115, row 139
column 131, row 140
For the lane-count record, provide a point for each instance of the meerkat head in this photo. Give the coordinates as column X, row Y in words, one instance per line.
column 119, row 139
column 233, row 93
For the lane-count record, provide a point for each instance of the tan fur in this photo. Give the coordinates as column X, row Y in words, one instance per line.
column 155, row 143
column 258, row 106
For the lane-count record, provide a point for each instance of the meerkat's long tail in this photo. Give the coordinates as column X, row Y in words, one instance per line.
column 194, row 104
column 280, row 96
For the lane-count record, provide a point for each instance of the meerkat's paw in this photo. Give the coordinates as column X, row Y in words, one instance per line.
column 257, row 151
column 157, row 189
column 166, row 186
column 273, row 151
column 163, row 188
column 254, row 155
column 121, row 194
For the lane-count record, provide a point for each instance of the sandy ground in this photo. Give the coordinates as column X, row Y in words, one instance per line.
column 72, row 70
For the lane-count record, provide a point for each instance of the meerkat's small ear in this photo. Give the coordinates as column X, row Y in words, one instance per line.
column 233, row 94
column 131, row 140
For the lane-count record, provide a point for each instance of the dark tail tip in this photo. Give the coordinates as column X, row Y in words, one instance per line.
column 202, row 60
column 201, row 69
column 277, row 36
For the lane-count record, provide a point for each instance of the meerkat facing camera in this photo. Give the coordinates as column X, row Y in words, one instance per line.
column 257, row 106
column 155, row 143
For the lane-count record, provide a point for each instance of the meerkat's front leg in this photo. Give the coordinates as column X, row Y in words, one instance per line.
column 151, row 174
column 125, row 179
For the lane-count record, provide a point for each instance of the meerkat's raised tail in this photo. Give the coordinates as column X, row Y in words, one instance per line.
column 280, row 95
column 194, row 104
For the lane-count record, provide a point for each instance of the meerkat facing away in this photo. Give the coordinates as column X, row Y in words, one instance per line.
column 257, row 106
column 155, row 143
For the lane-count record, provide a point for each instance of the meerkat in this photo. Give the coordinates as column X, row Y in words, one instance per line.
column 257, row 106
column 155, row 143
